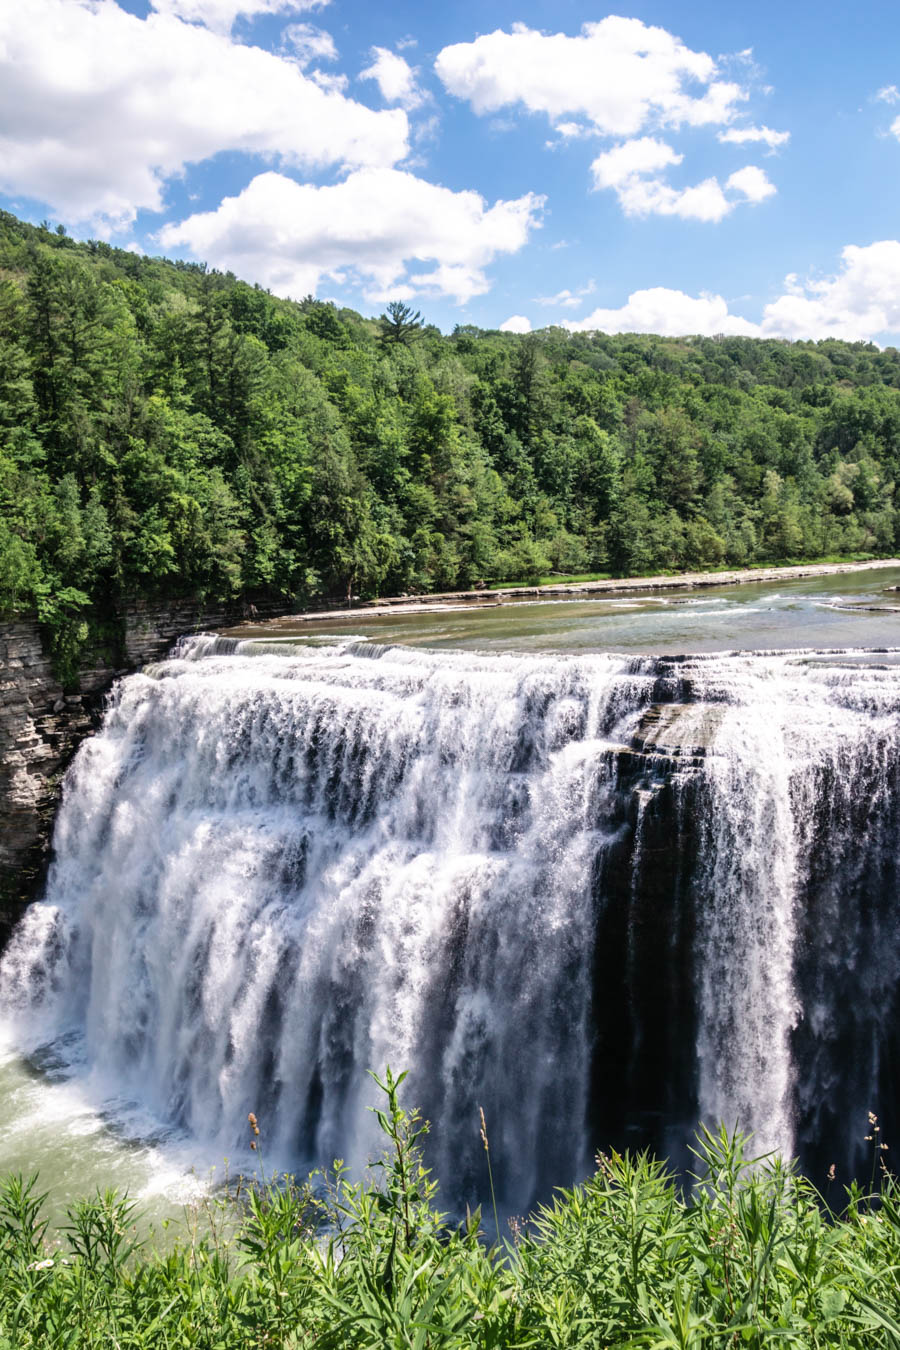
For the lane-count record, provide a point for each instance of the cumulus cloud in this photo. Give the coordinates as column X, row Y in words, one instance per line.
column 860, row 303
column 752, row 183
column 371, row 230
column 395, row 78
column 221, row 15
column 631, row 159
column 752, row 135
column 516, row 323
column 631, row 169
column 652, row 197
column 98, row 108
column 889, row 94
column 668, row 312
column 619, row 75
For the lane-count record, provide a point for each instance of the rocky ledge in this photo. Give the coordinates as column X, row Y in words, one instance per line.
column 42, row 725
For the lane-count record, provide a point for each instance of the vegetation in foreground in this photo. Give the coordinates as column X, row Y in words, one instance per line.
column 167, row 430
column 751, row 1255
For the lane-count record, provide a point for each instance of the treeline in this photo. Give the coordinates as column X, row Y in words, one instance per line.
column 167, row 429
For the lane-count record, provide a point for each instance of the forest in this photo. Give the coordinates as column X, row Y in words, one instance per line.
column 166, row 429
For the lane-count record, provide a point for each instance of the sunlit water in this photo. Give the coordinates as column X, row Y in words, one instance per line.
column 280, row 865
column 855, row 609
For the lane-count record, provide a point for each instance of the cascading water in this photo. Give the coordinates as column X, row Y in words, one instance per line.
column 602, row 897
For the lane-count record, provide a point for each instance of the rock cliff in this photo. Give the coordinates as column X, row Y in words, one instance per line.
column 42, row 725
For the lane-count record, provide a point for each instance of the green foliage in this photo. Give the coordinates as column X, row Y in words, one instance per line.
column 399, row 323
column 168, row 430
column 749, row 1255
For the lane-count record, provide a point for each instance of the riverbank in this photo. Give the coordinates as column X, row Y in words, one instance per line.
column 424, row 604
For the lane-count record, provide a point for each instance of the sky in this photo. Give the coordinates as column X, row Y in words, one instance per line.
column 665, row 167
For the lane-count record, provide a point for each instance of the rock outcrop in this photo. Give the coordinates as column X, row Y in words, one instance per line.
column 42, row 725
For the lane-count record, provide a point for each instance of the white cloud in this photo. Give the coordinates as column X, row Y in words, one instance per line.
column 751, row 135
column 310, row 43
column 618, row 77
column 631, row 169
column 370, row 230
column 651, row 196
column 98, row 108
column 889, row 94
column 860, row 303
column 619, row 74
column 221, row 15
column 395, row 78
column 570, row 130
column 516, row 323
column 630, row 159
column 668, row 312
column 752, row 183
column 567, row 299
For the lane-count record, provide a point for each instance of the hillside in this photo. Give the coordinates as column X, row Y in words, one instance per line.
column 165, row 429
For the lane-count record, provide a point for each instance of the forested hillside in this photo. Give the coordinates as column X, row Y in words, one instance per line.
column 165, row 429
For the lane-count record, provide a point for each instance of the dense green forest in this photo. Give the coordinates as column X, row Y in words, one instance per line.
column 166, row 429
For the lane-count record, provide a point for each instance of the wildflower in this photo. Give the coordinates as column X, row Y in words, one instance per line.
column 253, row 1125
column 40, row 1265
column 831, row 1172
column 873, row 1119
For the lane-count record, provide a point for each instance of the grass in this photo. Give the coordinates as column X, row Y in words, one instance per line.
column 751, row 1255
column 561, row 579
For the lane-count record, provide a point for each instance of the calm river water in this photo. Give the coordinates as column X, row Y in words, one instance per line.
column 855, row 609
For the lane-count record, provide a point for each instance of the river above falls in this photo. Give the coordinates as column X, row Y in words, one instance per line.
column 853, row 609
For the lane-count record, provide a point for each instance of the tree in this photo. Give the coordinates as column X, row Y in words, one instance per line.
column 399, row 324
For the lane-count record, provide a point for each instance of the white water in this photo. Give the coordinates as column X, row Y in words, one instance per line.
column 277, row 867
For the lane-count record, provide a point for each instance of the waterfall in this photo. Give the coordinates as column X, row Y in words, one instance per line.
column 601, row 897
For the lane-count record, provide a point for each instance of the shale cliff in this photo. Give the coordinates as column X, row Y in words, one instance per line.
column 42, row 725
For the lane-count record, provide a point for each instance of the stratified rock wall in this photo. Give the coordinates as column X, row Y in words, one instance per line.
column 41, row 726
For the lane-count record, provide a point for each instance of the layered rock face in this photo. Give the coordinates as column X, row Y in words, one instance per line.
column 41, row 726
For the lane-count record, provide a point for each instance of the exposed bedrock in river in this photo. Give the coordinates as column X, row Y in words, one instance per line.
column 601, row 897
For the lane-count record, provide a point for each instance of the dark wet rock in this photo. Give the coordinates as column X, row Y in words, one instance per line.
column 42, row 725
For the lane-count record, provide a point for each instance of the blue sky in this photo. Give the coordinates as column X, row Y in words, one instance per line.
column 659, row 167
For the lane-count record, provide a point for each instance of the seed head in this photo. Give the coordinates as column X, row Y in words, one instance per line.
column 483, row 1129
